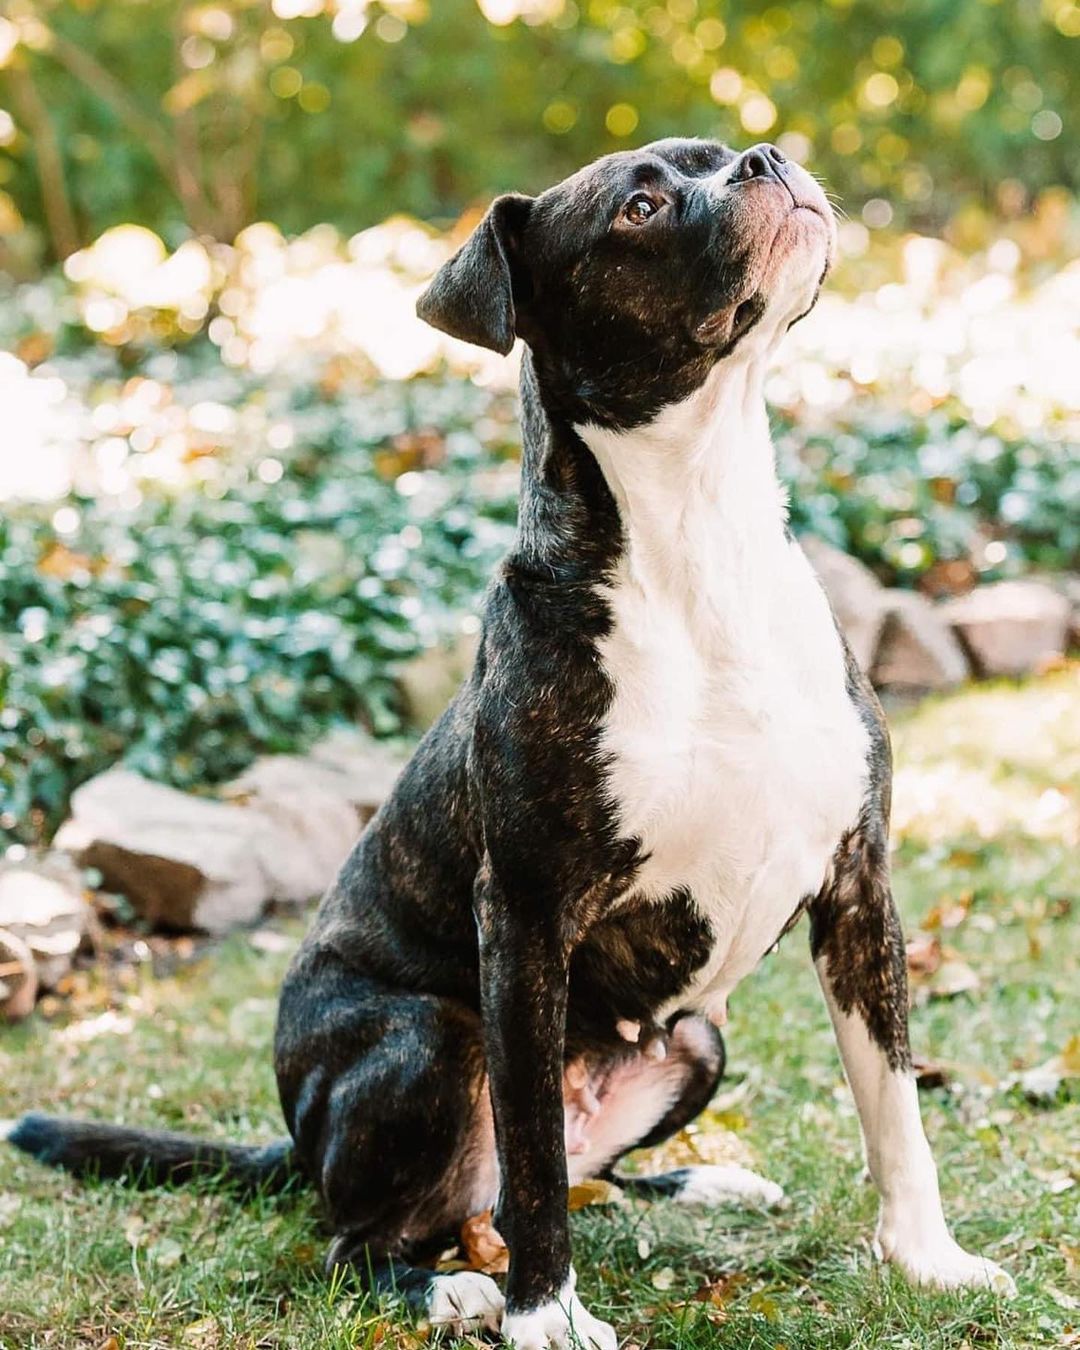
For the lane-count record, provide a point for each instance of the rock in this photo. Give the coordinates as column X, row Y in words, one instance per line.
column 368, row 768
column 281, row 832
column 1010, row 627
column 182, row 861
column 429, row 681
column 1068, row 585
column 916, row 650
column 43, row 911
column 18, row 977
column 856, row 596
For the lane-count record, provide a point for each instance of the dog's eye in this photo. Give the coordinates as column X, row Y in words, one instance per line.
column 640, row 209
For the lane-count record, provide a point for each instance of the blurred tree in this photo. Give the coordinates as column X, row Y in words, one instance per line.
column 204, row 114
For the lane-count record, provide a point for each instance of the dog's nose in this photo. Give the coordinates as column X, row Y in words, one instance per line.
column 760, row 161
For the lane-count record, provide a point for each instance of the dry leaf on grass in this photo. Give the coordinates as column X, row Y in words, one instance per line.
column 935, row 971
column 709, row 1139
column 948, row 913
column 205, row 1334
column 483, row 1247
column 719, row 1292
column 594, row 1192
column 929, row 1073
column 1043, row 1081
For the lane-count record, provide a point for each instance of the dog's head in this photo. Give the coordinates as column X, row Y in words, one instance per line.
column 633, row 277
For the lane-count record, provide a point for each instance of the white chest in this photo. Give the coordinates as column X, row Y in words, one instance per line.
column 733, row 751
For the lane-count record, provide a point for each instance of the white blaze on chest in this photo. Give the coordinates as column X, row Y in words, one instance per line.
column 735, row 753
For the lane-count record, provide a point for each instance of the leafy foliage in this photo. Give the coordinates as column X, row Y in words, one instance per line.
column 187, row 631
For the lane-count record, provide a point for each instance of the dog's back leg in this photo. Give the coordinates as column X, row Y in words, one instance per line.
column 645, row 1102
column 858, row 950
column 384, row 1093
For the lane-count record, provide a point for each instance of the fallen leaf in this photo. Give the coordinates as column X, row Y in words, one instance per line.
column 166, row 1253
column 765, row 1306
column 948, row 913
column 483, row 1246
column 205, row 1334
column 953, row 977
column 923, row 955
column 61, row 563
column 718, row 1292
column 935, row 971
column 928, row 1072
column 267, row 940
column 594, row 1192
column 1043, row 1081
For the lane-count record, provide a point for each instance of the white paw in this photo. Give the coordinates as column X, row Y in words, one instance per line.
column 710, row 1184
column 465, row 1301
column 943, row 1264
column 563, row 1323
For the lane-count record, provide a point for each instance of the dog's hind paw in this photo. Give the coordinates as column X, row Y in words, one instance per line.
column 717, row 1184
column 465, row 1301
column 945, row 1265
column 563, row 1323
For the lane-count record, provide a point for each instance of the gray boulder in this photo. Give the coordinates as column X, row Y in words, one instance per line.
column 856, row 596
column 278, row 833
column 44, row 919
column 182, row 861
column 917, row 651
column 1010, row 627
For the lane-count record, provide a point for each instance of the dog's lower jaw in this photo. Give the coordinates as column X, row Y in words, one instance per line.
column 563, row 1323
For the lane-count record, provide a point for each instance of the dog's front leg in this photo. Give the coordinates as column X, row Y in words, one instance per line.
column 523, row 986
column 858, row 950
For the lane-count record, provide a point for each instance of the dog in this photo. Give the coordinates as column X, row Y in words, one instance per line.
column 663, row 756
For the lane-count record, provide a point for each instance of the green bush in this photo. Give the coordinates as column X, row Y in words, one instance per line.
column 190, row 632
column 187, row 631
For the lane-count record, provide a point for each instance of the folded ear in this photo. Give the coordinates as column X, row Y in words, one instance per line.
column 472, row 295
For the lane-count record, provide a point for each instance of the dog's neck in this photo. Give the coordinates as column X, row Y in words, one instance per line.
column 700, row 478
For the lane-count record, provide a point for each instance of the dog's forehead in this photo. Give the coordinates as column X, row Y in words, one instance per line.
column 688, row 156
column 593, row 185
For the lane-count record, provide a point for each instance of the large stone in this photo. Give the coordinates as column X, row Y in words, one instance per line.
column 43, row 913
column 368, row 768
column 1010, row 627
column 182, row 861
column 280, row 833
column 856, row 596
column 315, row 806
column 430, row 680
column 917, row 650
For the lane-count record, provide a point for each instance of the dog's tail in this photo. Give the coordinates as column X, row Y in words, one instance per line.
column 152, row 1157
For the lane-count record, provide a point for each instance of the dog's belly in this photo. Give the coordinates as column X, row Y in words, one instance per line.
column 735, row 755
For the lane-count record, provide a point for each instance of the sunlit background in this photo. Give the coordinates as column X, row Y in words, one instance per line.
column 244, row 486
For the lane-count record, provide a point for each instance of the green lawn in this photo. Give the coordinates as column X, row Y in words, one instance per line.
column 987, row 830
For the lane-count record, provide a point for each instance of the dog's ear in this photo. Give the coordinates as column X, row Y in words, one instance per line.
column 472, row 295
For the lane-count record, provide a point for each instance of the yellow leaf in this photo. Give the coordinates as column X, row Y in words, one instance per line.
column 594, row 1192
column 483, row 1246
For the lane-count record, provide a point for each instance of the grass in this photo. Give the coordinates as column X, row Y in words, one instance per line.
column 987, row 828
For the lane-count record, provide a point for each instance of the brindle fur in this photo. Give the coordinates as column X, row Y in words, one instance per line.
column 483, row 930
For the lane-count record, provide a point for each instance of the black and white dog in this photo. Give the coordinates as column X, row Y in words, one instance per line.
column 663, row 755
